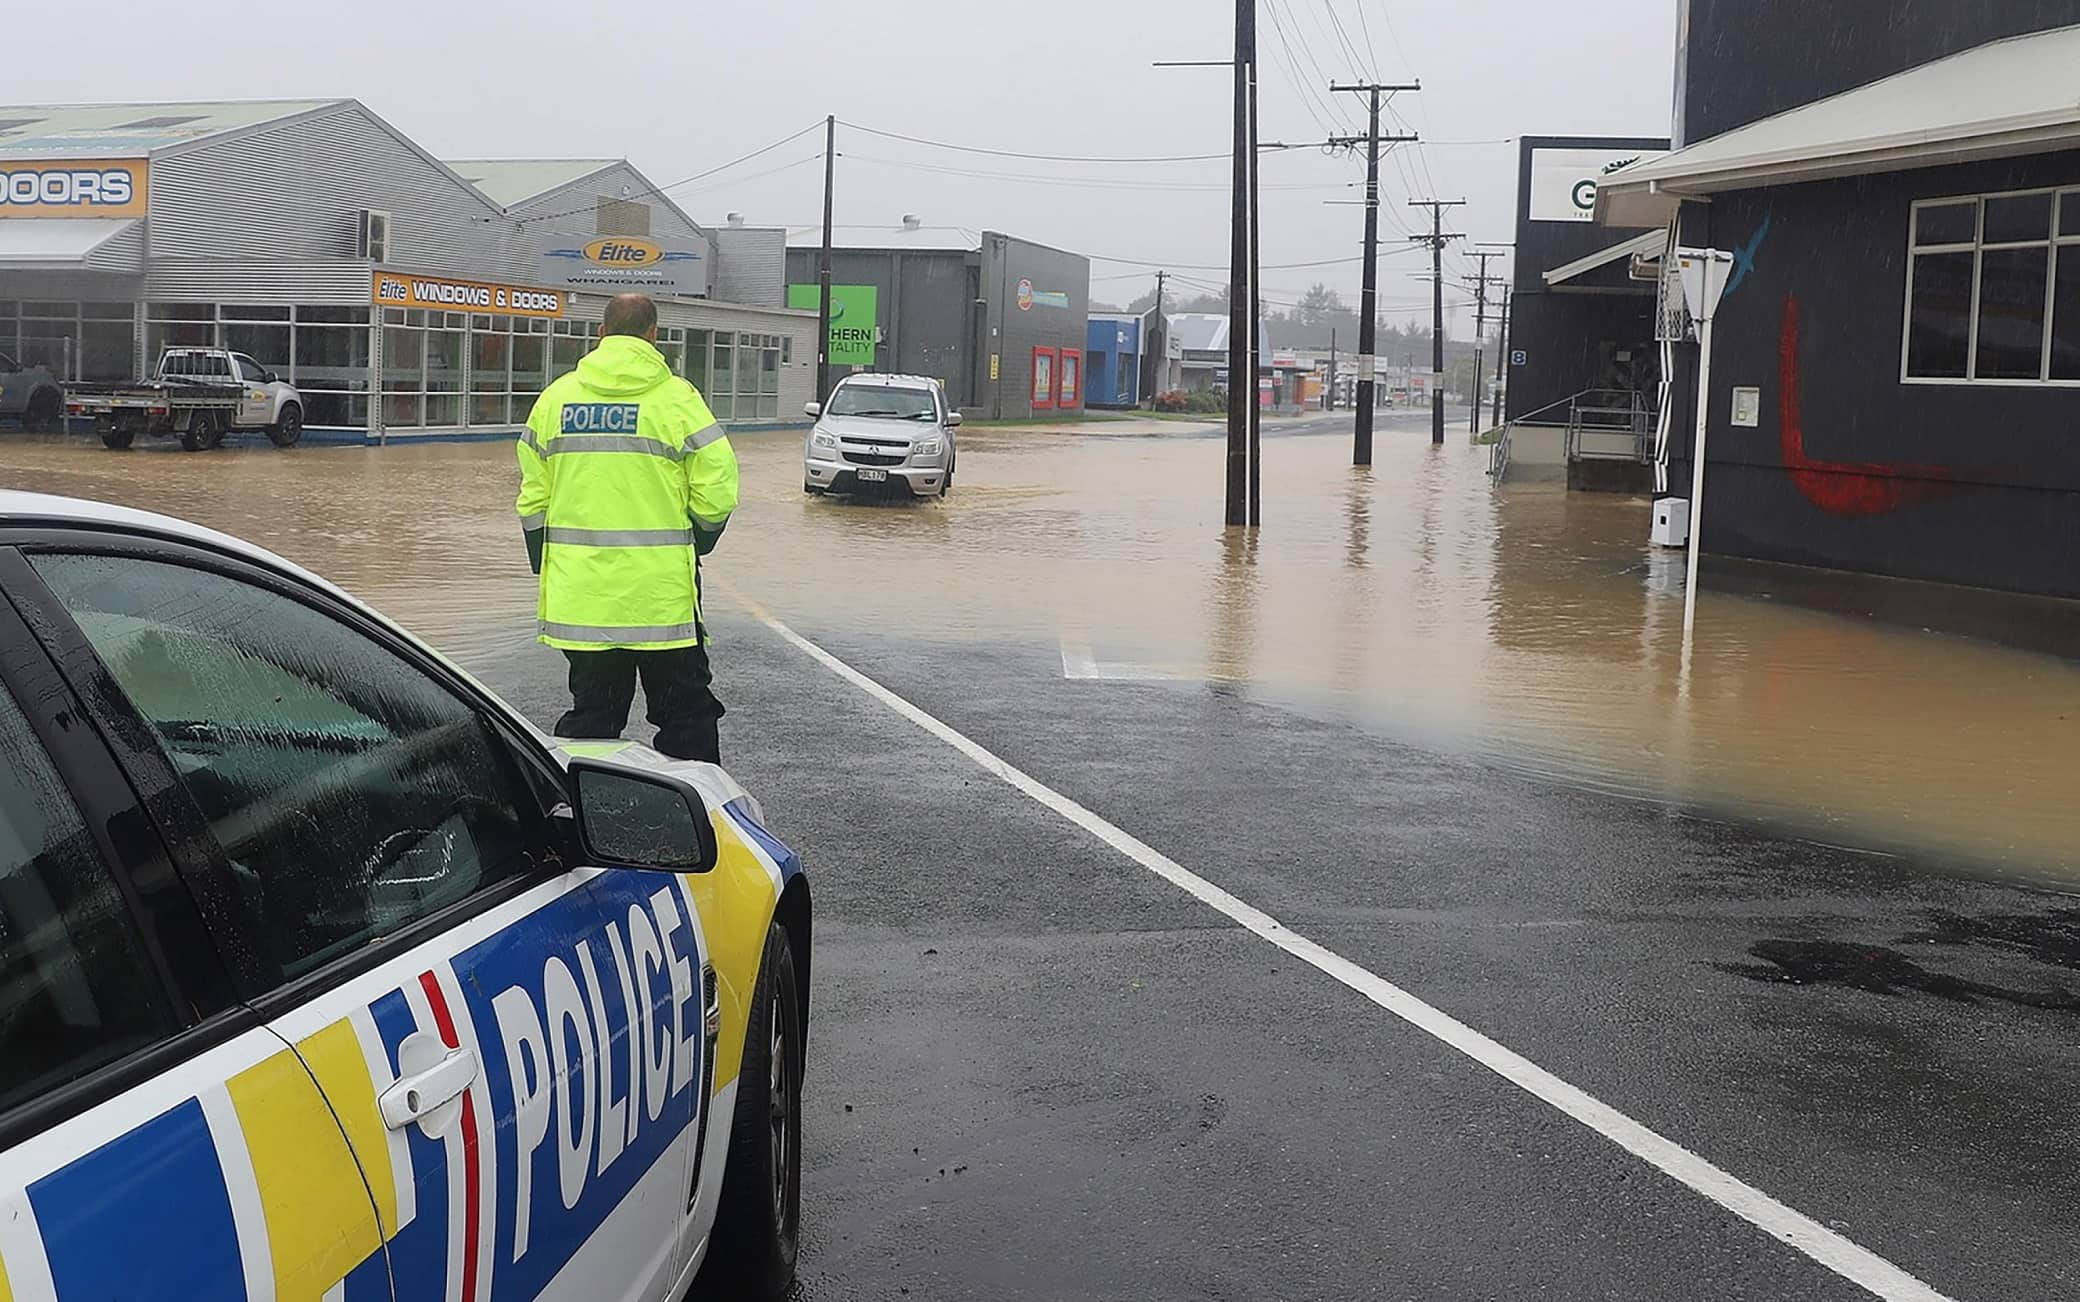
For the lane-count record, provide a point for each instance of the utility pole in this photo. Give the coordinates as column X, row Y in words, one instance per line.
column 1155, row 345
column 1481, row 281
column 1242, row 296
column 1437, row 239
column 1256, row 316
column 1368, row 303
column 1502, row 361
column 1329, row 393
column 823, row 266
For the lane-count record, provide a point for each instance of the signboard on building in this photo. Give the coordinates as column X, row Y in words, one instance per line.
column 1564, row 181
column 398, row 289
column 620, row 264
column 855, row 319
column 1030, row 298
column 73, row 187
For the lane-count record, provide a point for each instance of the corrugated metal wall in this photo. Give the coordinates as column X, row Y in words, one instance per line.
column 751, row 265
column 291, row 193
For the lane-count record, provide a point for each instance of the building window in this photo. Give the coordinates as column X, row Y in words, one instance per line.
column 1993, row 289
column 74, row 341
column 1043, row 378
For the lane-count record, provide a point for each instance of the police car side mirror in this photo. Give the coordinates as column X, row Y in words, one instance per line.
column 812, row 409
column 953, row 420
column 637, row 818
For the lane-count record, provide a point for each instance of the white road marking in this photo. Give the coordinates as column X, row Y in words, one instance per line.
column 1853, row 1262
column 1078, row 662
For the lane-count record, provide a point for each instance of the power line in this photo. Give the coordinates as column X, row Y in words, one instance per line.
column 1358, row 64
column 1092, row 182
column 1039, row 158
column 674, row 185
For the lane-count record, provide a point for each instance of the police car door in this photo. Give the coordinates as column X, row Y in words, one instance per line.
column 511, row 1044
column 157, row 1140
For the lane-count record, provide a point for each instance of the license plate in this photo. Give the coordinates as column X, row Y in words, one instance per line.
column 869, row 475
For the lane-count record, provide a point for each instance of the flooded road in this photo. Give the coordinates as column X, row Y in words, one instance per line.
column 1531, row 626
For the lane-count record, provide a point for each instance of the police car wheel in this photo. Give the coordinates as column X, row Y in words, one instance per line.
column 758, row 1225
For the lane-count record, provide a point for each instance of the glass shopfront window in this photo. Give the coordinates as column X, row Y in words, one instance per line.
column 722, row 389
column 76, row 341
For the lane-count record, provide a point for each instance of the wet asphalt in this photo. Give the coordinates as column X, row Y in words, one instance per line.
column 1039, row 1071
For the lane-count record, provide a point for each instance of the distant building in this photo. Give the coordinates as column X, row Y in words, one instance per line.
column 1895, row 382
column 1112, row 358
column 1002, row 321
column 404, row 296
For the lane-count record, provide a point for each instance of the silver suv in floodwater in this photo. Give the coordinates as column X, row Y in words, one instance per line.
column 882, row 431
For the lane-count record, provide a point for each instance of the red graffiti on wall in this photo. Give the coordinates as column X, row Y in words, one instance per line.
column 1846, row 488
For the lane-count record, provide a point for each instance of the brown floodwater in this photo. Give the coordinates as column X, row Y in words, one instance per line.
column 1529, row 625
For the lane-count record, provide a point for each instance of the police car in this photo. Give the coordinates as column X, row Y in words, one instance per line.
column 324, row 976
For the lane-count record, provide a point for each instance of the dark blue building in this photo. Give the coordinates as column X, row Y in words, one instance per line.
column 1113, row 360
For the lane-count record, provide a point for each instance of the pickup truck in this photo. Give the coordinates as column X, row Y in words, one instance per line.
column 31, row 395
column 198, row 394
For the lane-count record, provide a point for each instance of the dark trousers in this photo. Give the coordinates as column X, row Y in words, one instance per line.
column 677, row 684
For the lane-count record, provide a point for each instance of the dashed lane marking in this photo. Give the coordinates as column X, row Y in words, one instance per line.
column 1851, row 1261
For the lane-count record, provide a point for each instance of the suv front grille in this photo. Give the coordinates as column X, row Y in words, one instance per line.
column 872, row 458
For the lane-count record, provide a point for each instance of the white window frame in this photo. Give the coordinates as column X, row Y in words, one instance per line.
column 2053, row 244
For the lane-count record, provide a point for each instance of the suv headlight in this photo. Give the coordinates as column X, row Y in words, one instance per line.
column 819, row 439
column 925, row 448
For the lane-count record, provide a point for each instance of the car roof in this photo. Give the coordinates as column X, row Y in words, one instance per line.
column 23, row 508
column 882, row 380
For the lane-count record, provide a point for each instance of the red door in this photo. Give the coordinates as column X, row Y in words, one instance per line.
column 1043, row 378
column 1070, row 394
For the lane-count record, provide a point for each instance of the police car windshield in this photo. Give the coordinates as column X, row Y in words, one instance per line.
column 874, row 400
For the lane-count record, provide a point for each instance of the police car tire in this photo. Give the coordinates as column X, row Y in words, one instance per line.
column 756, row 1238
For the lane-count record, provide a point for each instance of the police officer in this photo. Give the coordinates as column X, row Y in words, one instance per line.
column 625, row 481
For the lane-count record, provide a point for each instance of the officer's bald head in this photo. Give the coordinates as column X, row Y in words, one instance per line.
column 630, row 314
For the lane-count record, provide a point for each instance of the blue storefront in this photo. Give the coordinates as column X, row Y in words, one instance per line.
column 1112, row 361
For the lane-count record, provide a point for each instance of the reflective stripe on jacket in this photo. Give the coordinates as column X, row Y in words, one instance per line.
column 623, row 470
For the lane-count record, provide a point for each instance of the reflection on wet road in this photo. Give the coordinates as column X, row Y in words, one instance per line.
column 1533, row 626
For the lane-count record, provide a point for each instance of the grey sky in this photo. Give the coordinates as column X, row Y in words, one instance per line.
column 682, row 87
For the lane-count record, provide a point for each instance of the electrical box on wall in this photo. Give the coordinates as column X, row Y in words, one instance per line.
column 1747, row 408
column 1671, row 522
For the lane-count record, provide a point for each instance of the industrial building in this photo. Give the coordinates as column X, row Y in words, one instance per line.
column 1895, row 377
column 404, row 295
column 1001, row 321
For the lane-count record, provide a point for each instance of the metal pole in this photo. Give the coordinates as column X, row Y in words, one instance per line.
column 1368, row 299
column 1502, row 359
column 1704, row 412
column 823, row 268
column 1241, row 366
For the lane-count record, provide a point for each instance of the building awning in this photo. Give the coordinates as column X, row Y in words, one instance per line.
column 72, row 244
column 2001, row 100
column 1653, row 243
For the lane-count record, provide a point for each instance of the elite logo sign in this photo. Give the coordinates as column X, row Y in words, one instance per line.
column 394, row 290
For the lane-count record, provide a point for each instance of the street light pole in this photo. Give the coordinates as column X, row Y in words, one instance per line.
column 823, row 266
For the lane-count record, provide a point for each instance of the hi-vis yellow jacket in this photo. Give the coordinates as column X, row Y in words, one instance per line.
column 624, row 479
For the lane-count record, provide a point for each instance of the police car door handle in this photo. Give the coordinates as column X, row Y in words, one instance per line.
column 433, row 1082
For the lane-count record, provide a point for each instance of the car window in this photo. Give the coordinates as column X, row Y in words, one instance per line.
column 881, row 400
column 253, row 371
column 74, row 989
column 352, row 793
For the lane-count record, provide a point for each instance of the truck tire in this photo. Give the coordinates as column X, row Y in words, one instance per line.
column 288, row 431
column 45, row 413
column 205, row 431
column 113, row 436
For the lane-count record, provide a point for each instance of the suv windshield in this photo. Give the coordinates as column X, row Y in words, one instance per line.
column 874, row 400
